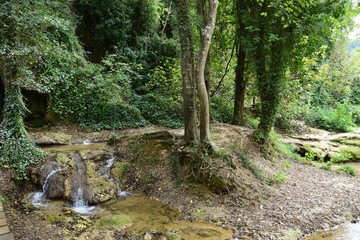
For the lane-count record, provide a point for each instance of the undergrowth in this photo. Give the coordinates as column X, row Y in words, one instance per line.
column 16, row 149
column 250, row 165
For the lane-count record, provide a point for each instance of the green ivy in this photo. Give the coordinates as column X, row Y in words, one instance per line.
column 16, row 149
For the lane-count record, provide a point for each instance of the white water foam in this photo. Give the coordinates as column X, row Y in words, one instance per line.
column 86, row 142
column 80, row 205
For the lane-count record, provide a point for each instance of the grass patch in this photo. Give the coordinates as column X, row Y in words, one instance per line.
column 250, row 165
column 349, row 169
column 283, row 148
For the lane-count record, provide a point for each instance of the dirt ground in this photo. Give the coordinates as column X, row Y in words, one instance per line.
column 310, row 198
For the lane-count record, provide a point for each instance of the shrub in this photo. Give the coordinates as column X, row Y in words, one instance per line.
column 221, row 111
column 158, row 109
column 101, row 115
column 338, row 119
column 355, row 110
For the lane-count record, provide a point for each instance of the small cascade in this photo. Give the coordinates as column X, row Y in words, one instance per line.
column 109, row 164
column 80, row 205
column 120, row 193
column 86, row 142
column 39, row 198
column 110, row 161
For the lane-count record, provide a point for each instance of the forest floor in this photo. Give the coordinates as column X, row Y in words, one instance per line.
column 301, row 199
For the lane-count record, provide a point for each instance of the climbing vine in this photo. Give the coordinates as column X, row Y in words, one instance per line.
column 16, row 149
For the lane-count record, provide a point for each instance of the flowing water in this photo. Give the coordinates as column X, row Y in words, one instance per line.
column 80, row 205
column 39, row 198
column 349, row 231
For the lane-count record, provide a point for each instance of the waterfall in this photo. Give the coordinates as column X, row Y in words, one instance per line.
column 40, row 197
column 80, row 205
column 110, row 161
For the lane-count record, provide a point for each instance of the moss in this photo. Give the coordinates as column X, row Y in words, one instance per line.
column 120, row 170
column 114, row 221
column 354, row 151
column 348, row 140
column 64, row 160
column 217, row 184
column 172, row 236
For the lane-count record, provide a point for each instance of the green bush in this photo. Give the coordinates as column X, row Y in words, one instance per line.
column 338, row 119
column 355, row 110
column 158, row 109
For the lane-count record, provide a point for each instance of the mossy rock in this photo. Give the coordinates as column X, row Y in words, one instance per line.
column 120, row 170
column 348, row 140
column 64, row 160
column 114, row 221
column 172, row 236
column 354, row 151
column 99, row 188
column 217, row 184
column 51, row 138
column 319, row 150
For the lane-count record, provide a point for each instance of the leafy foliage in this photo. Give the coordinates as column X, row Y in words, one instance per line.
column 339, row 119
column 158, row 109
column 16, row 149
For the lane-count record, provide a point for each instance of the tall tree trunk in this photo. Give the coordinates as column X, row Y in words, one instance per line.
column 271, row 90
column 187, row 70
column 240, row 86
column 206, row 35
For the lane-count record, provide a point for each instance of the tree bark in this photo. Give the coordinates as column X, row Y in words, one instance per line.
column 206, row 35
column 187, row 71
column 240, row 86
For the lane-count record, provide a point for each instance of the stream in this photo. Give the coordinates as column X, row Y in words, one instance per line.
column 147, row 215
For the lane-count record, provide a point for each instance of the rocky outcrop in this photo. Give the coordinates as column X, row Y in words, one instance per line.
column 327, row 145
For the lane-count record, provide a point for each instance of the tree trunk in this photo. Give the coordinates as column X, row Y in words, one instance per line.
column 240, row 86
column 206, row 35
column 187, row 70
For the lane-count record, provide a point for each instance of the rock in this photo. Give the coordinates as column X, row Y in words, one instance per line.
column 64, row 160
column 56, row 185
column 100, row 189
column 354, row 151
column 147, row 236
